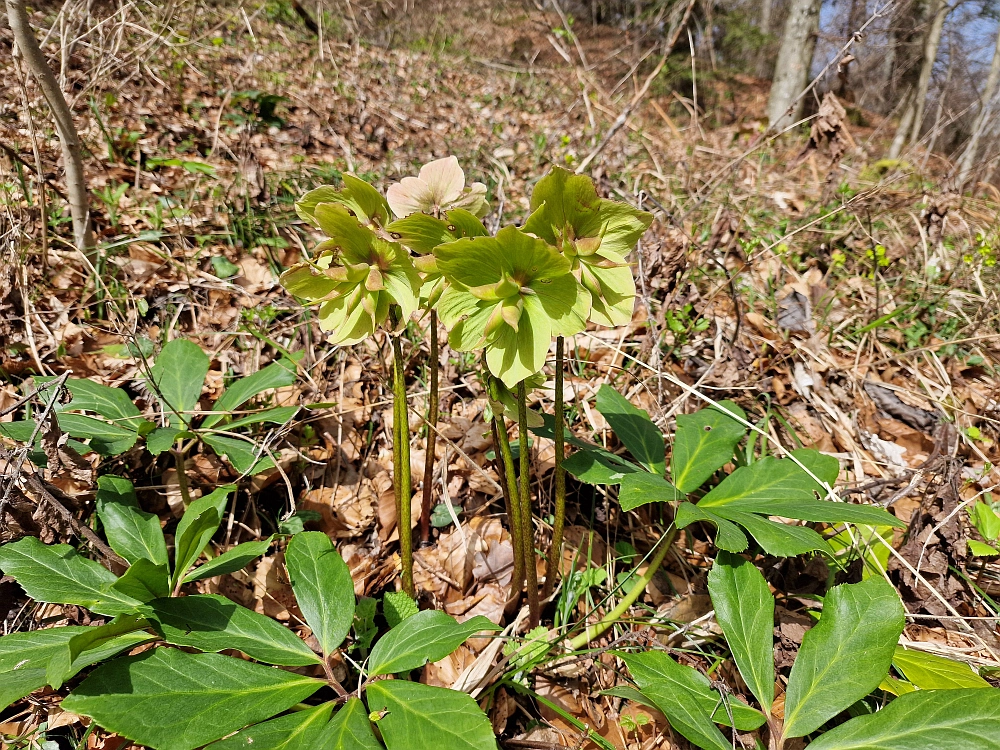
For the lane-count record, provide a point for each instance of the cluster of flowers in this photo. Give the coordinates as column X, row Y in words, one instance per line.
column 507, row 294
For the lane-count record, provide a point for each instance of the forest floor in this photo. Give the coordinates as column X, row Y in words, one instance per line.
column 845, row 302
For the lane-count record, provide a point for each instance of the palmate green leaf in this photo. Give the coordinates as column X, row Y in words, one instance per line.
column 598, row 467
column 131, row 532
column 58, row 574
column 923, row 720
column 641, row 488
column 209, row 622
column 162, row 439
column 323, row 587
column 240, row 452
column 24, row 658
column 776, row 538
column 294, row 731
column 687, row 699
column 229, row 562
column 197, row 527
column 845, row 656
column 16, row 685
column 111, row 403
column 744, row 609
column 780, row 487
column 705, row 442
column 171, row 700
column 105, row 438
column 931, row 672
column 357, row 195
column 349, row 730
column 423, row 717
column 276, row 375
column 427, row 636
column 119, row 634
column 634, row 428
column 144, row 581
column 178, row 376
column 728, row 536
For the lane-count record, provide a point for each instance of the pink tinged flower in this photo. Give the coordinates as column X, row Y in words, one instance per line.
column 440, row 186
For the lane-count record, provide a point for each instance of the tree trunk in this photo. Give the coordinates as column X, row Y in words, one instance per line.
column 763, row 59
column 76, row 185
column 968, row 162
column 798, row 42
column 913, row 116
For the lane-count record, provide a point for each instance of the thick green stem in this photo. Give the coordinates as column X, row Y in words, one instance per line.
column 508, row 483
column 599, row 628
column 432, row 419
column 180, row 461
column 401, row 465
column 524, row 494
column 555, row 550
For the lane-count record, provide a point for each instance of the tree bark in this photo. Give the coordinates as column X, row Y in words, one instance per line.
column 913, row 116
column 798, row 42
column 968, row 163
column 76, row 185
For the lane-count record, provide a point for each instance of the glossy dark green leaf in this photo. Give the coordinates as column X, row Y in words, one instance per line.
column 58, row 574
column 105, row 438
column 598, row 467
column 162, row 439
column 178, row 376
column 422, row 717
column 241, row 453
column 64, row 663
column 349, row 730
column 704, row 443
column 634, row 428
column 171, row 700
column 776, row 538
column 111, row 403
column 229, row 562
column 323, row 587
column 298, row 730
column 429, row 635
column 144, row 581
column 25, row 658
column 131, row 532
column 197, row 527
column 780, row 487
column 209, row 622
column 845, row 656
column 642, row 488
column 16, row 685
column 967, row 719
column 728, row 536
column 744, row 609
column 275, row 375
column 687, row 699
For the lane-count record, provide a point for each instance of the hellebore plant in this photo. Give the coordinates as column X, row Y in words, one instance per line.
column 419, row 203
column 361, row 281
column 505, row 296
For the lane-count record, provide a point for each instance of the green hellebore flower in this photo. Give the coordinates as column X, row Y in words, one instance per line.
column 421, row 233
column 509, row 295
column 355, row 278
column 361, row 199
column 595, row 234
